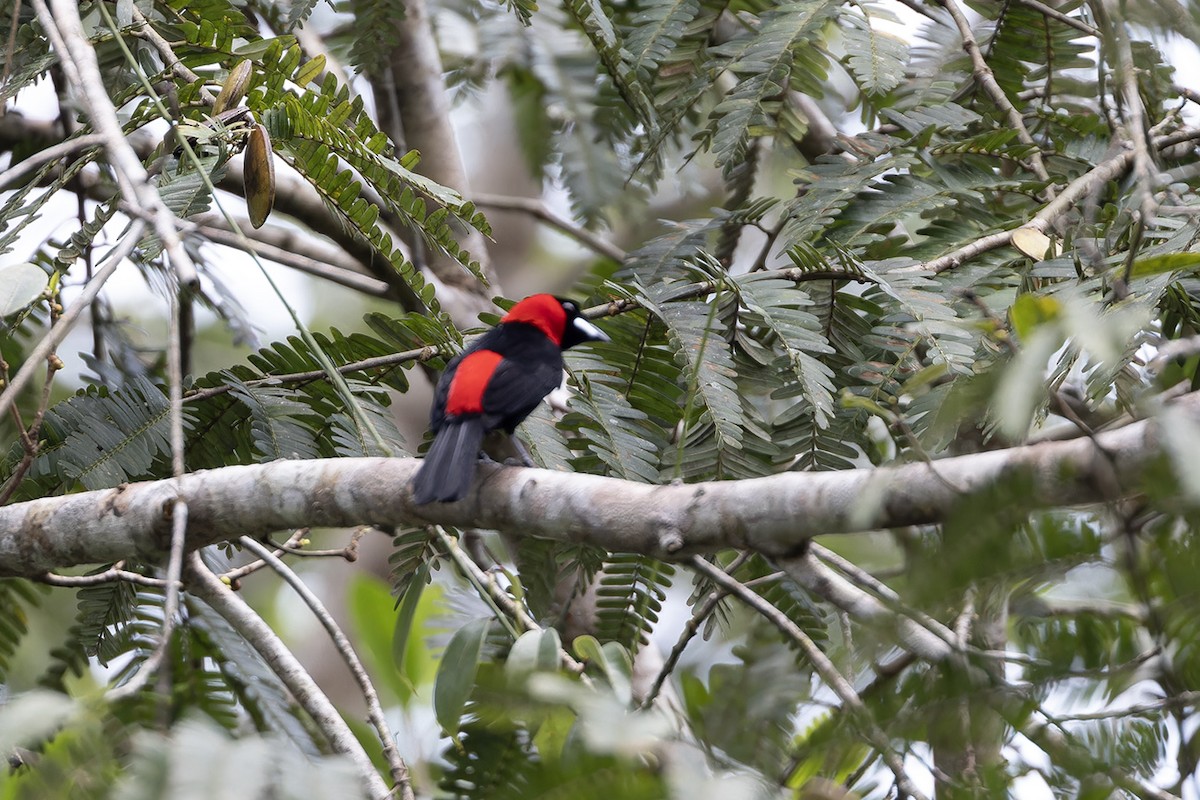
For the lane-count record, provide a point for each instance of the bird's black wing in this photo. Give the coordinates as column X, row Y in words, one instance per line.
column 516, row 388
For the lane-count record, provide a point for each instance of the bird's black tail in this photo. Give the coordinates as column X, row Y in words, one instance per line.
column 449, row 467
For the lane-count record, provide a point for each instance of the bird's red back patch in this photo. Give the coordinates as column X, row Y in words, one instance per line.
column 471, row 381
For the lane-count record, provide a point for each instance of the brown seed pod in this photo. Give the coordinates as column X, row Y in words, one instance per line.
column 234, row 88
column 260, row 176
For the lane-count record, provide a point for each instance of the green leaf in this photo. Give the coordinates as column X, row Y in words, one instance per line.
column 783, row 54
column 456, row 675
column 629, row 598
column 17, row 598
column 1031, row 310
column 310, row 70
column 611, row 659
column 20, row 285
column 371, row 607
column 1160, row 265
column 418, row 607
column 876, row 58
column 534, row 651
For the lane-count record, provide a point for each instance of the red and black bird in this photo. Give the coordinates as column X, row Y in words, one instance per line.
column 495, row 384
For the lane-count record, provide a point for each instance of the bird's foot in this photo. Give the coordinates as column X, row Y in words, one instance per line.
column 523, row 458
column 511, row 461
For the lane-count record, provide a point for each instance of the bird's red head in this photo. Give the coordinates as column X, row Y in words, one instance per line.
column 559, row 319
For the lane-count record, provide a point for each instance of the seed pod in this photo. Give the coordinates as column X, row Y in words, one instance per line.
column 260, row 176
column 235, row 87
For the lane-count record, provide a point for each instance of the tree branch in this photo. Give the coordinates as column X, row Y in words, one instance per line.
column 1065, row 19
column 294, row 197
column 65, row 30
column 1078, row 189
column 415, row 110
column 51, row 340
column 52, row 153
column 931, row 642
column 775, row 515
column 537, row 209
column 374, row 709
column 987, row 82
column 824, row 667
column 223, row 600
column 703, row 608
column 287, row 247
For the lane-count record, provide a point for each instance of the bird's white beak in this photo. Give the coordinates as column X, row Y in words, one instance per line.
column 590, row 332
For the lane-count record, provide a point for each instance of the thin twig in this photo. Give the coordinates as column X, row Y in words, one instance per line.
column 1057, row 742
column 863, row 579
column 508, row 612
column 30, row 436
column 537, row 209
column 349, row 552
column 498, row 598
column 1134, row 117
column 932, row 642
column 823, row 666
column 1171, row 350
column 1191, row 94
column 920, row 8
column 987, row 81
column 1055, row 14
column 1079, row 188
column 235, row 575
column 179, row 516
column 760, row 261
column 1037, row 606
column 78, row 59
column 254, row 241
column 853, row 572
column 1181, row 700
column 223, row 600
column 375, row 714
column 151, row 665
column 144, row 30
column 701, row 612
column 52, row 153
column 378, row 362
column 110, row 575
column 59, row 331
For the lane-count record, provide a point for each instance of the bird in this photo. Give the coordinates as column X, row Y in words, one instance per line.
column 494, row 385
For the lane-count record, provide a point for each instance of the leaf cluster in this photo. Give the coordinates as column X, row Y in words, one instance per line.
column 830, row 309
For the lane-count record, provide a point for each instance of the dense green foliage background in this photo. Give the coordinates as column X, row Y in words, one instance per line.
column 833, row 282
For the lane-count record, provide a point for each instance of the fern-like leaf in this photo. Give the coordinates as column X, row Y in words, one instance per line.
column 629, row 598
column 876, row 59
column 16, row 596
column 781, row 56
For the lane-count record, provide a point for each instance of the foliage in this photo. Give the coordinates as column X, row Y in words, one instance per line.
column 819, row 296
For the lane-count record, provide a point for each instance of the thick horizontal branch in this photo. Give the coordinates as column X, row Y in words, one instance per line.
column 775, row 515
